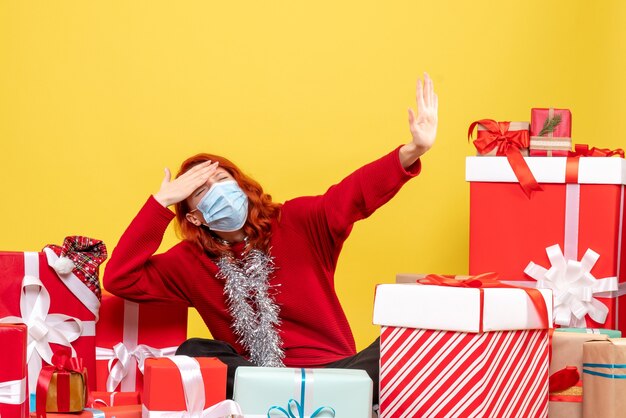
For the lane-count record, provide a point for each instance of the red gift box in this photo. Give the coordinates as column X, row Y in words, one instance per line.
column 59, row 309
column 462, row 351
column 13, row 371
column 100, row 399
column 548, row 237
column 128, row 333
column 550, row 132
column 186, row 385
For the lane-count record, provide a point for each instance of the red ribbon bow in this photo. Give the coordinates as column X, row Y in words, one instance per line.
column 489, row 280
column 63, row 364
column 508, row 143
column 564, row 379
column 583, row 150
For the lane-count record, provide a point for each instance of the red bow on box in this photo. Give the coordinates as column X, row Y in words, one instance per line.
column 489, row 280
column 583, row 150
column 564, row 379
column 508, row 143
column 63, row 365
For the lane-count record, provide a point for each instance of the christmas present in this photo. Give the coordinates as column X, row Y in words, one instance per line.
column 100, row 399
column 566, row 368
column 13, row 370
column 508, row 139
column 497, row 138
column 122, row 411
column 604, row 378
column 62, row 387
column 128, row 333
column 567, row 237
column 56, row 294
column 271, row 391
column 463, row 347
column 181, row 386
column 550, row 132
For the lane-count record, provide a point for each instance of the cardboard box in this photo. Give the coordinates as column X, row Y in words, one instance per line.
column 604, row 378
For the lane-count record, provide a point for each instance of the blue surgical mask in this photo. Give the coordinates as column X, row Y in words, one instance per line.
column 224, row 207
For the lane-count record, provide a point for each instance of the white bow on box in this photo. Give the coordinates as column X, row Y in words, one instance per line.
column 573, row 287
column 122, row 361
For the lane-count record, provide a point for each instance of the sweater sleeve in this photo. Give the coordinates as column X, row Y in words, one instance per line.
column 133, row 271
column 328, row 219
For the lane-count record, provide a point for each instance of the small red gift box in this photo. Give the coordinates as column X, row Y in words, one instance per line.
column 508, row 139
column 128, row 333
column 169, row 383
column 13, row 370
column 62, row 386
column 60, row 309
column 550, row 132
column 567, row 237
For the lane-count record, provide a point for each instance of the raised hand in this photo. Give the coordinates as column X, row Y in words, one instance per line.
column 424, row 126
column 179, row 189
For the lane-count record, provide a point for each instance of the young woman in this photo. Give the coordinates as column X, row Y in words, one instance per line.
column 261, row 274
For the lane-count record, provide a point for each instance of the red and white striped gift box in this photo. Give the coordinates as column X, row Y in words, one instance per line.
column 461, row 352
column 427, row 373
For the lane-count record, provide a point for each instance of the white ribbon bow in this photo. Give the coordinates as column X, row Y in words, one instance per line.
column 573, row 287
column 193, row 388
column 43, row 328
column 13, row 392
column 122, row 360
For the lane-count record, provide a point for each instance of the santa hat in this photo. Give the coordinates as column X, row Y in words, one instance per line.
column 81, row 256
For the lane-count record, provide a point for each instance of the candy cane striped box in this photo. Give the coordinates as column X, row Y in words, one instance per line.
column 461, row 352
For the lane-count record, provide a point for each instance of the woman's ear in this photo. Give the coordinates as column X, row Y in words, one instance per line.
column 193, row 219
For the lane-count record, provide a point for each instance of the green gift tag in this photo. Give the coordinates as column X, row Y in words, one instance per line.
column 612, row 333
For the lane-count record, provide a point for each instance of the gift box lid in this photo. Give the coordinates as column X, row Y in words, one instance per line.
column 591, row 170
column 457, row 308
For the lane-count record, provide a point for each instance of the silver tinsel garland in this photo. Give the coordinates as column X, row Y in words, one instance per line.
column 254, row 312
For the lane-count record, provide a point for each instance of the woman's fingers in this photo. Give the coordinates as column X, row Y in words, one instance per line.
column 167, row 177
column 419, row 96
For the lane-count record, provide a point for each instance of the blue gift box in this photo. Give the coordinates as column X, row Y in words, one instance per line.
column 303, row 393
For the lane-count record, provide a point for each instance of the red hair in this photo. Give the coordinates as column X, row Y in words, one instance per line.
column 261, row 210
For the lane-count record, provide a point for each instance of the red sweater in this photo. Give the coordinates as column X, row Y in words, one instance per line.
column 306, row 242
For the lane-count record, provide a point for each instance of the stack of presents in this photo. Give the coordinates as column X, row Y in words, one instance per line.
column 533, row 331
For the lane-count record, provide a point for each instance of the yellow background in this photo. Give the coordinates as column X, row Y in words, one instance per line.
column 96, row 98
